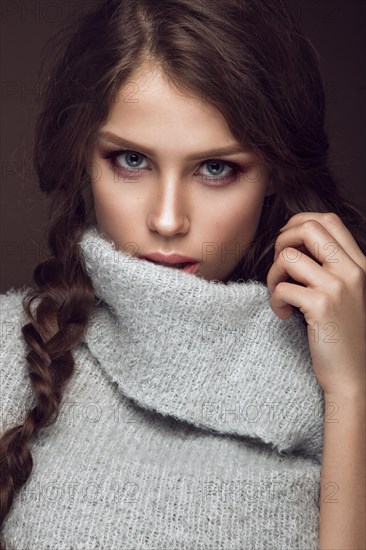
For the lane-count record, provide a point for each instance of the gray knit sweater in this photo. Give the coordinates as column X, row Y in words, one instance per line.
column 193, row 419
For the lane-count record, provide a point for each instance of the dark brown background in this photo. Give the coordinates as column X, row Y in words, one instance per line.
column 335, row 27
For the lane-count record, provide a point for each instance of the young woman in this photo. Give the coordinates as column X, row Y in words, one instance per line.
column 215, row 404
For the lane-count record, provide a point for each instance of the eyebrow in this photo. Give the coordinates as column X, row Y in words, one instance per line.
column 117, row 140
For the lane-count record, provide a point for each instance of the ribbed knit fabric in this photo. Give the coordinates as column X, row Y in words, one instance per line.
column 193, row 419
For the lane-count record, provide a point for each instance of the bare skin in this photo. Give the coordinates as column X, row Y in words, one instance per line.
column 171, row 203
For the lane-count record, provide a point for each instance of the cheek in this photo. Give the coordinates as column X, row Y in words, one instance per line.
column 111, row 210
column 240, row 222
column 111, row 213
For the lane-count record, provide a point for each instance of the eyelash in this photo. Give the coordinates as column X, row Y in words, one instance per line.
column 112, row 155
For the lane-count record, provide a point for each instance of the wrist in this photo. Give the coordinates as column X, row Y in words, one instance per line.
column 349, row 396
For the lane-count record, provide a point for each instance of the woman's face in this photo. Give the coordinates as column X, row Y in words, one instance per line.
column 175, row 191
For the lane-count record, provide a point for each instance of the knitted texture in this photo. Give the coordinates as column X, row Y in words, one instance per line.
column 193, row 419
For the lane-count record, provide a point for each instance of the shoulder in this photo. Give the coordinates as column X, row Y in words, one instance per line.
column 15, row 387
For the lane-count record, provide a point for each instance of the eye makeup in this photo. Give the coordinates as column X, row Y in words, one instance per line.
column 219, row 181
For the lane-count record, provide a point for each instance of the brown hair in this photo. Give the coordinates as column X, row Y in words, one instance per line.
column 250, row 60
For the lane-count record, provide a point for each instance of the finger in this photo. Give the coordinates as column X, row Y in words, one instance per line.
column 319, row 242
column 287, row 295
column 300, row 267
column 336, row 229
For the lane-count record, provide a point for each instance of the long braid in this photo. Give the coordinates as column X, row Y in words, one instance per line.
column 54, row 329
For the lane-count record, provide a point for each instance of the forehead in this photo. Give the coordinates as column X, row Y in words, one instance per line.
column 149, row 103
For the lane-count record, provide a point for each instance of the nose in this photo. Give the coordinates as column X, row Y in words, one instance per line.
column 168, row 214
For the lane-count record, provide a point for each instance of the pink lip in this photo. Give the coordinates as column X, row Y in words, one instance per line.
column 193, row 268
column 190, row 268
column 170, row 259
column 173, row 259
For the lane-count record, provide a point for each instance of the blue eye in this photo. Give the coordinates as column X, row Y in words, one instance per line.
column 214, row 169
column 133, row 159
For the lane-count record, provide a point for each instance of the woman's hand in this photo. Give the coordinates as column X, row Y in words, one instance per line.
column 317, row 250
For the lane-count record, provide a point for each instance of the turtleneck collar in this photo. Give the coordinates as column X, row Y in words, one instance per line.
column 208, row 353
